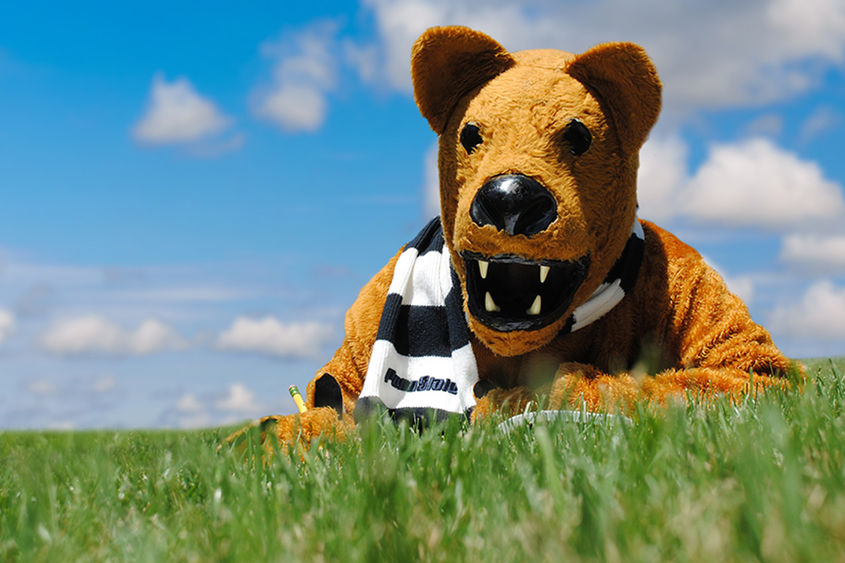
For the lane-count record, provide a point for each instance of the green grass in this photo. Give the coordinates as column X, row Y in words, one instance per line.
column 765, row 480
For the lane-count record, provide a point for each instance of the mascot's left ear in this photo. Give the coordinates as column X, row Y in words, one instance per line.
column 624, row 80
column 447, row 63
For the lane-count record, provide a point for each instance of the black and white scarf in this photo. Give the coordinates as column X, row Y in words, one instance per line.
column 422, row 364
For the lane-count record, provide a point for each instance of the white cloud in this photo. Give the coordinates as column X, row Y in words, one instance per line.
column 94, row 334
column 709, row 55
column 816, row 252
column 189, row 403
column 431, row 183
column 820, row 314
column 305, row 72
column 399, row 24
column 662, row 173
column 153, row 336
column 809, row 26
column 177, row 114
column 294, row 107
column 271, row 337
column 238, row 399
column 755, row 183
column 7, row 324
column 193, row 413
column 750, row 183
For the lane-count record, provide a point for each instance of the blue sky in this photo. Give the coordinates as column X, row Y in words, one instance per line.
column 191, row 198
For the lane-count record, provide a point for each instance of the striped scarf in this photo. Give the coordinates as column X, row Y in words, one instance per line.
column 422, row 365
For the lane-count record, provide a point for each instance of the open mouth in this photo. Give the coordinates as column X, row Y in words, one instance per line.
column 508, row 292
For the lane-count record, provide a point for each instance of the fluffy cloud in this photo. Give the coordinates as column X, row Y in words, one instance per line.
column 709, row 55
column 751, row 183
column 305, row 71
column 755, row 183
column 271, row 337
column 431, row 183
column 820, row 314
column 238, row 399
column 189, row 403
column 94, row 334
column 294, row 107
column 816, row 252
column 190, row 412
column 7, row 325
column 663, row 173
column 177, row 114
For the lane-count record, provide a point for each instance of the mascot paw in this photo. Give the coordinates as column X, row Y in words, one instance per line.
column 505, row 402
column 293, row 429
column 303, row 428
column 579, row 386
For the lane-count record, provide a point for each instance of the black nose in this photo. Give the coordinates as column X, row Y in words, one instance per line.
column 514, row 203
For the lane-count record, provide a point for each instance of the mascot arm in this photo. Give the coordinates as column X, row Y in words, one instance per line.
column 710, row 341
column 718, row 348
column 332, row 393
column 348, row 367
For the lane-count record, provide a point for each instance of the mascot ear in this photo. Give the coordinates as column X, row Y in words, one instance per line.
column 449, row 62
column 625, row 81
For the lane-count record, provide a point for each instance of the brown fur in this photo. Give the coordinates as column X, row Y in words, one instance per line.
column 679, row 331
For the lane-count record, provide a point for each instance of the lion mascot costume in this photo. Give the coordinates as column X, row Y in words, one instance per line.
column 537, row 282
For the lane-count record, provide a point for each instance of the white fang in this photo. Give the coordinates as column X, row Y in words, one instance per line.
column 482, row 268
column 489, row 304
column 535, row 307
column 544, row 272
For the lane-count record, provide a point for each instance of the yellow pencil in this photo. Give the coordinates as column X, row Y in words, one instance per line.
column 297, row 398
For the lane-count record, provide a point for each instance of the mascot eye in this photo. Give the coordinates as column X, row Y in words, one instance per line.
column 470, row 137
column 577, row 136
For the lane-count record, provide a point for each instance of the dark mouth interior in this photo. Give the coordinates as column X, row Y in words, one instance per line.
column 510, row 293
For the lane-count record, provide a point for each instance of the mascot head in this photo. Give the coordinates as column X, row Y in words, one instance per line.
column 538, row 156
